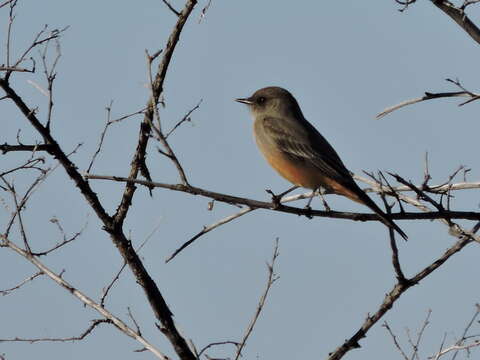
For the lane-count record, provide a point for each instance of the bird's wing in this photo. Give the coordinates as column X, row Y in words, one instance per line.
column 302, row 142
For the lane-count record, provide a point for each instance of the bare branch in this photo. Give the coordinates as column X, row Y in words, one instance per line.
column 272, row 277
column 30, row 278
column 184, row 119
column 393, row 296
column 172, row 9
column 427, row 96
column 230, row 199
column 458, row 15
column 11, row 18
column 158, row 130
column 218, row 343
column 64, row 241
column 139, row 156
column 203, row 13
column 461, row 341
column 17, row 69
column 416, row 345
column 395, row 341
column 82, row 336
column 209, row 228
column 456, row 348
column 82, row 297
column 29, row 165
column 6, row 3
column 102, row 137
column 468, row 3
column 117, row 276
column 113, row 226
column 5, row 148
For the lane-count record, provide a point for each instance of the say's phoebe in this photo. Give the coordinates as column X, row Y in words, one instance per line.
column 298, row 152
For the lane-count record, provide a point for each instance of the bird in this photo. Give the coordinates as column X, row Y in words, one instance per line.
column 297, row 150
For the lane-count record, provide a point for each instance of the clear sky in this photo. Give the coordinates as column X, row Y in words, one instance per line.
column 345, row 61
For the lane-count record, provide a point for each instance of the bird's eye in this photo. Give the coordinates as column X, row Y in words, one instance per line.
column 261, row 100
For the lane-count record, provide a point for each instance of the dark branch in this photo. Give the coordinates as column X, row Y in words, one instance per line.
column 5, row 148
column 235, row 200
column 458, row 15
column 171, row 7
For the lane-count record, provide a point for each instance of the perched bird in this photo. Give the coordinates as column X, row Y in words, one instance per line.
column 298, row 152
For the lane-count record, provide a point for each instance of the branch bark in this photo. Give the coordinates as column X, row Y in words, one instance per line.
column 458, row 15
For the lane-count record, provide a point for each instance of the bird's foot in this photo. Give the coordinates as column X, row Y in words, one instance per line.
column 276, row 199
column 308, row 212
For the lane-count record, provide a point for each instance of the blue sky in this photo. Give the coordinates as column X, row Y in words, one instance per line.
column 345, row 62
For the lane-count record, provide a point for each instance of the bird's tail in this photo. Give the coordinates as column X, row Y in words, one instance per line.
column 353, row 192
column 358, row 195
column 383, row 217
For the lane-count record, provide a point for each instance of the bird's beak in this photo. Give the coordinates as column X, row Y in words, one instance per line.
column 247, row 101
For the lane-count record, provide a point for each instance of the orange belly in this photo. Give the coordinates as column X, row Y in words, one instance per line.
column 307, row 176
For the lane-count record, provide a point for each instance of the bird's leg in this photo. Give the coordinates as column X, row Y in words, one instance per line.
column 324, row 202
column 310, row 200
column 276, row 199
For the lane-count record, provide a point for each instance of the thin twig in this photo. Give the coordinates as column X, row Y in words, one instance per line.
column 83, row 298
column 117, row 276
column 392, row 296
column 6, row 3
column 30, row 278
column 416, row 345
column 172, row 9
column 139, row 156
column 184, row 119
column 465, row 331
column 395, row 341
column 102, row 137
column 427, row 96
column 203, row 13
column 113, row 225
column 218, row 343
column 158, row 130
column 82, row 336
column 272, row 277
